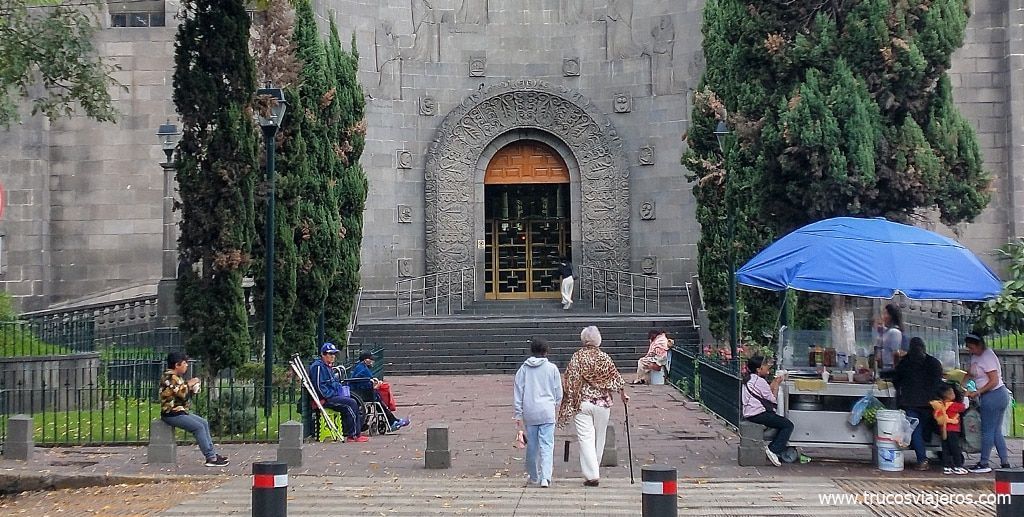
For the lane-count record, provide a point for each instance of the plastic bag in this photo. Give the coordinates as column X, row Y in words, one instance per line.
column 862, row 405
column 907, row 430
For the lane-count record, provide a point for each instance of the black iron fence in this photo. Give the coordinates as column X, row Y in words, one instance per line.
column 712, row 381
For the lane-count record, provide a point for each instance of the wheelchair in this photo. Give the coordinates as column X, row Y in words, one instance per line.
column 376, row 419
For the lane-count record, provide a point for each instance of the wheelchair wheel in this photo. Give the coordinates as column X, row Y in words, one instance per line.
column 366, row 421
column 382, row 425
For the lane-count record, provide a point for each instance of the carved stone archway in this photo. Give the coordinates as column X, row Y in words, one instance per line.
column 453, row 162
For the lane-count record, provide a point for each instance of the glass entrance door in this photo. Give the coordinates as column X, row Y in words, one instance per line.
column 526, row 234
column 523, row 257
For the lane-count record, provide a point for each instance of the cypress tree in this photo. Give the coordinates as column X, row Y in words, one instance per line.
column 348, row 181
column 214, row 83
column 278, row 65
column 836, row 109
column 316, row 234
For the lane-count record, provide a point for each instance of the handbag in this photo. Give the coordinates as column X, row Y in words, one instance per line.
column 769, row 406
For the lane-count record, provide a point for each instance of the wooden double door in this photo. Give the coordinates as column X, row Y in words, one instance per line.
column 528, row 229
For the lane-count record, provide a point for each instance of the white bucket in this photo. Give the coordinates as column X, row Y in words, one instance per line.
column 888, row 426
column 657, row 377
column 890, row 456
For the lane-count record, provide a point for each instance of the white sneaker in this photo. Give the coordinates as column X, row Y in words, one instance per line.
column 960, row 471
column 544, row 483
column 772, row 457
column 947, row 470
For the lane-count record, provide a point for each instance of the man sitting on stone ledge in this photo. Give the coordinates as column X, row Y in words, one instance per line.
column 175, row 395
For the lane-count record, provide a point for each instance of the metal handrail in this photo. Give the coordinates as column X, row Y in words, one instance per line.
column 611, row 283
column 694, row 310
column 353, row 320
column 435, row 289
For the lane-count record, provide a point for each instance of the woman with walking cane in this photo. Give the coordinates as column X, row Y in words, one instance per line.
column 588, row 384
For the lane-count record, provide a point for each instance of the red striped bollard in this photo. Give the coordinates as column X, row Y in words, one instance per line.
column 1009, row 492
column 659, row 491
column 269, row 489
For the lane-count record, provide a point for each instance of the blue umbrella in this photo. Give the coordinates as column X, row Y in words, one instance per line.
column 873, row 258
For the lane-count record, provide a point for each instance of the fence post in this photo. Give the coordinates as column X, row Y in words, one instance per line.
column 269, row 489
column 659, row 491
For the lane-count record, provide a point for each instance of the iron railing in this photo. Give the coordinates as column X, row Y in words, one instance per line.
column 620, row 291
column 683, row 369
column 131, row 312
column 434, row 293
column 353, row 322
column 712, row 381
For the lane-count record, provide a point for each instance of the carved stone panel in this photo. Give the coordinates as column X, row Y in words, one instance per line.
column 404, row 267
column 453, row 158
column 403, row 159
column 404, row 214
column 428, row 106
column 646, row 155
column 646, row 211
column 622, row 103
column 477, row 66
column 571, row 67
column 649, row 265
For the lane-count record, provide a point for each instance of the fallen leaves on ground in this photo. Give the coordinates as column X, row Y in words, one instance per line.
column 134, row 500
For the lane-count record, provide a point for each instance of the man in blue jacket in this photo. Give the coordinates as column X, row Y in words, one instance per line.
column 362, row 379
column 332, row 393
column 536, row 395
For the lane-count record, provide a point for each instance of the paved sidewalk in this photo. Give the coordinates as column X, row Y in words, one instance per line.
column 665, row 428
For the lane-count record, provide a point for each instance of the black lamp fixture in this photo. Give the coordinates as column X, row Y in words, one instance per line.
column 721, row 132
column 169, row 135
column 270, row 115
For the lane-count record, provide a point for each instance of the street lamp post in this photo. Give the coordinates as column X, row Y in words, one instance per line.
column 721, row 133
column 167, row 308
column 269, row 118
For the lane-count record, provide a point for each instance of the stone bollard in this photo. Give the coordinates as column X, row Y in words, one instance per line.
column 610, row 456
column 162, row 446
column 658, row 491
column 19, row 443
column 751, row 449
column 289, row 444
column 438, row 455
column 1009, row 492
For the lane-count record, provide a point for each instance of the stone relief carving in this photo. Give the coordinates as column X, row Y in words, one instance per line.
column 477, row 66
column 389, row 62
column 426, row 31
column 404, row 267
column 649, row 265
column 646, row 211
column 622, row 103
column 663, row 35
column 403, row 159
column 453, row 157
column 571, row 67
column 619, row 30
column 571, row 11
column 472, row 12
column 428, row 106
column 646, row 155
column 404, row 214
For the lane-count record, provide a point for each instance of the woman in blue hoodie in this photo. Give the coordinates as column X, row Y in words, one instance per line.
column 537, row 394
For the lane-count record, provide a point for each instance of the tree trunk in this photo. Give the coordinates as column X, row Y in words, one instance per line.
column 843, row 335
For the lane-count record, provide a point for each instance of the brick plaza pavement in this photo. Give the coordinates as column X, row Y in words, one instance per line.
column 665, row 428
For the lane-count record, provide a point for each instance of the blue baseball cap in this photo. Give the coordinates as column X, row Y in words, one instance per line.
column 328, row 348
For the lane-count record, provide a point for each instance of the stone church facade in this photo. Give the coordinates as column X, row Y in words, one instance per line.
column 502, row 135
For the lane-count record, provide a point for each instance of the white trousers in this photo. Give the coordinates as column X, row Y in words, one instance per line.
column 591, row 426
column 567, row 284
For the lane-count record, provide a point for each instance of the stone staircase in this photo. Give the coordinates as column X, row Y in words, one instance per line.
column 493, row 337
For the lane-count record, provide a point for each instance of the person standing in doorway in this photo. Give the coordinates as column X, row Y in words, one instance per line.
column 536, row 395
column 565, row 270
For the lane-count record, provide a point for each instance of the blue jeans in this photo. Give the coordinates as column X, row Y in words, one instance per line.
column 540, row 447
column 922, row 433
column 199, row 428
column 993, row 406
